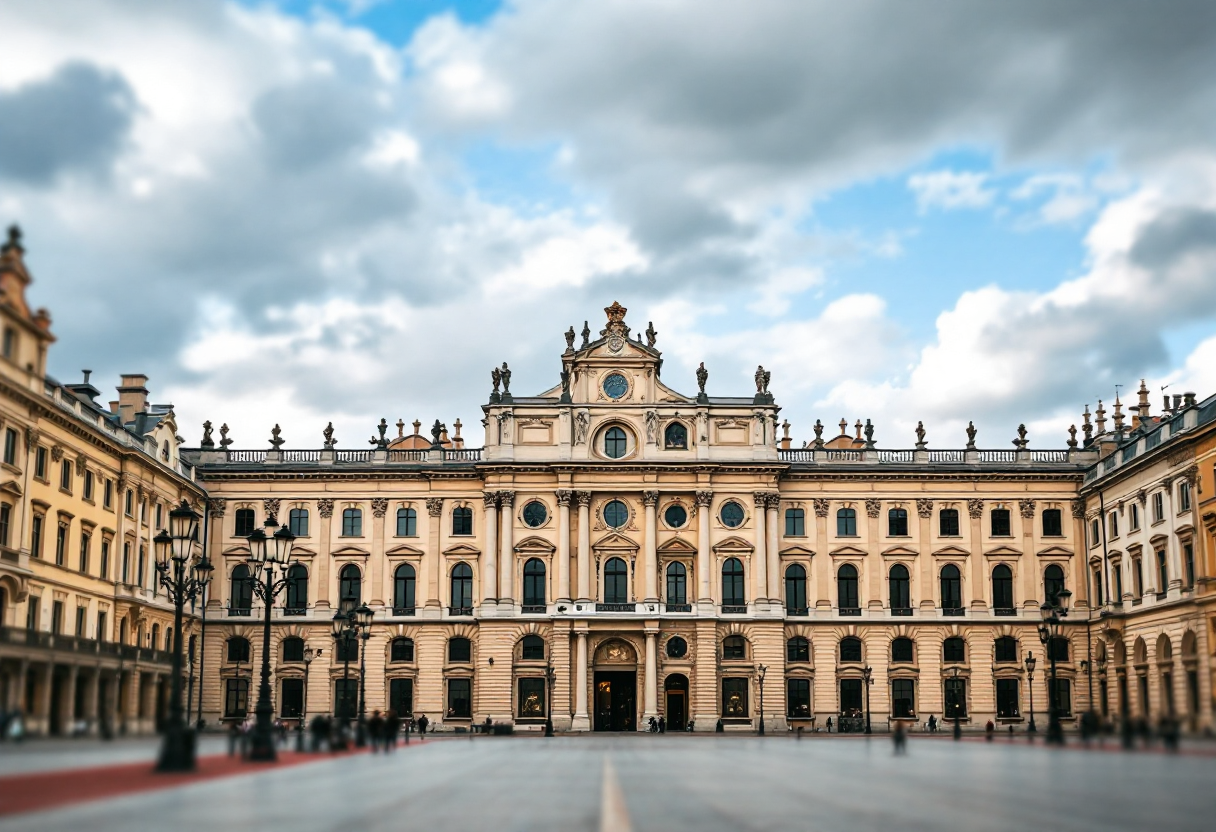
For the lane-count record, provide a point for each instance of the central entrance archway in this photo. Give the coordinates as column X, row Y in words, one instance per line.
column 615, row 704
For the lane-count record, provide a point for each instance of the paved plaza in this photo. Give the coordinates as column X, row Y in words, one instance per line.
column 613, row 783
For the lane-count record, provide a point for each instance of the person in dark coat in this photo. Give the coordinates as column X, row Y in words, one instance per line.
column 392, row 727
column 375, row 730
column 423, row 722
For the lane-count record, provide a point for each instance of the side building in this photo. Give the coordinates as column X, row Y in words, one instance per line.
column 618, row 550
column 84, row 630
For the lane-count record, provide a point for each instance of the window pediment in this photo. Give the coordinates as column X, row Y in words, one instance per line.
column 462, row 550
column 797, row 551
column 236, row 552
column 677, row 546
column 848, row 551
column 950, row 552
column 1055, row 552
column 615, row 540
column 535, row 544
column 899, row 552
column 733, row 544
column 1003, row 552
column 350, row 552
column 404, row 550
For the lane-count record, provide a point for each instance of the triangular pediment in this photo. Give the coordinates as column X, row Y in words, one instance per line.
column 615, row 540
column 350, row 552
column 302, row 552
column 404, row 550
column 12, row 487
column 678, row 546
column 848, row 551
column 535, row 544
column 1003, row 552
column 733, row 544
column 797, row 551
column 236, row 552
column 1055, row 552
column 899, row 552
column 950, row 552
column 462, row 550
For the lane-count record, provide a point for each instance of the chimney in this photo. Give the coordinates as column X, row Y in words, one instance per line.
column 1177, row 403
column 85, row 391
column 132, row 397
column 1188, row 399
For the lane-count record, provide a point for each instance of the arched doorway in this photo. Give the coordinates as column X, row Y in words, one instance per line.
column 616, row 685
column 675, row 695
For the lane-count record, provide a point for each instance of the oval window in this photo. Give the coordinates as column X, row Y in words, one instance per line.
column 677, row 648
column 616, row 514
column 675, row 516
column 615, row 386
column 535, row 514
column 732, row 515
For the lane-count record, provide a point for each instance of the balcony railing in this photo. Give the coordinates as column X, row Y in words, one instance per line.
column 936, row 457
column 616, row 607
column 79, row 645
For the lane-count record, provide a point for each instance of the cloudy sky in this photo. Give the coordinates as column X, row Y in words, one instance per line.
column 302, row 211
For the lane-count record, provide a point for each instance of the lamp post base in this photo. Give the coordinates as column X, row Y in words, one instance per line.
column 261, row 747
column 176, row 750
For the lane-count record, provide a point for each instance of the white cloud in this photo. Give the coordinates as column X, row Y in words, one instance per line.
column 950, row 190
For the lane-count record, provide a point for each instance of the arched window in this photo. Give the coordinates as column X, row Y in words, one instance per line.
column 615, row 443
column 897, row 522
column 297, row 522
column 402, row 650
column 797, row 649
column 846, row 523
column 244, row 522
column 677, row 584
column 293, row 649
column 1007, row 649
column 350, row 585
column 404, row 582
column 534, row 583
column 462, row 589
column 237, row 649
column 846, row 587
column 952, row 587
column 1053, row 582
column 732, row 583
column 734, row 647
column 352, row 522
column 795, row 589
column 407, row 522
column 297, row 589
column 897, row 580
column 241, row 597
column 954, row 649
column 532, row 648
column 947, row 522
column 616, row 582
column 460, row 650
column 795, row 522
column 902, row 650
column 850, row 649
column 462, row 520
column 676, row 436
column 1002, row 588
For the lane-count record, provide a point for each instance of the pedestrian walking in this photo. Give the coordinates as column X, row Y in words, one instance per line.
column 392, row 727
column 662, row 725
column 989, row 730
column 829, row 725
column 423, row 722
column 932, row 724
column 375, row 730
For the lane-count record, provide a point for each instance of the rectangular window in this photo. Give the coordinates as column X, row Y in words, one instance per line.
column 1188, row 563
column 1007, row 698
column 57, row 617
column 36, row 536
column 1158, row 507
column 734, row 699
column 795, row 522
column 159, row 518
column 850, row 697
column 126, row 562
column 460, row 698
column 1134, row 520
column 297, row 522
column 10, row 446
column 1138, row 576
column 88, row 485
column 1095, row 534
column 104, row 571
column 10, row 343
column 948, row 522
column 903, row 698
column 1113, row 525
column 798, row 698
column 1184, row 496
column 61, row 544
column 407, row 522
column 956, row 698
column 352, row 523
column 292, row 706
column 401, row 696
column 33, row 609
column 846, row 523
column 1098, row 586
column 1163, row 573
column 65, row 475
column 81, row 615
column 1063, row 695
column 40, row 463
column 84, row 552
column 1116, row 571
column 107, row 494
column 531, row 703
column 128, row 503
column 6, row 519
column 1000, row 522
column 897, row 523
column 236, row 698
column 1053, row 523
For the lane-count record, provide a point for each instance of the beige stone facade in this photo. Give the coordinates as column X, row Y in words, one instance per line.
column 84, row 630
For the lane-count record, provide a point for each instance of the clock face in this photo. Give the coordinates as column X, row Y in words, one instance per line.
column 615, row 386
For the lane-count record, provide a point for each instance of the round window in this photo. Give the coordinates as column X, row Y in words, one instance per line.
column 535, row 514
column 732, row 515
column 615, row 386
column 616, row 514
column 677, row 648
column 675, row 516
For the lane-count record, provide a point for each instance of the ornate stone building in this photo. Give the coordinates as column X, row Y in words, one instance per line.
column 84, row 631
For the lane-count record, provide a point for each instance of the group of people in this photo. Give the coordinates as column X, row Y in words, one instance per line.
column 382, row 730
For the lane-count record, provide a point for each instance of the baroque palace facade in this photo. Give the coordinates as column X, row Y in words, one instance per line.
column 617, row 550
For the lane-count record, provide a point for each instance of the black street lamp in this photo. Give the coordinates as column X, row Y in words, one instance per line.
column 761, row 670
column 344, row 634
column 309, row 655
column 958, row 728
column 867, row 673
column 1030, row 663
column 266, row 553
column 1054, row 612
column 363, row 623
column 551, row 679
column 183, row 571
